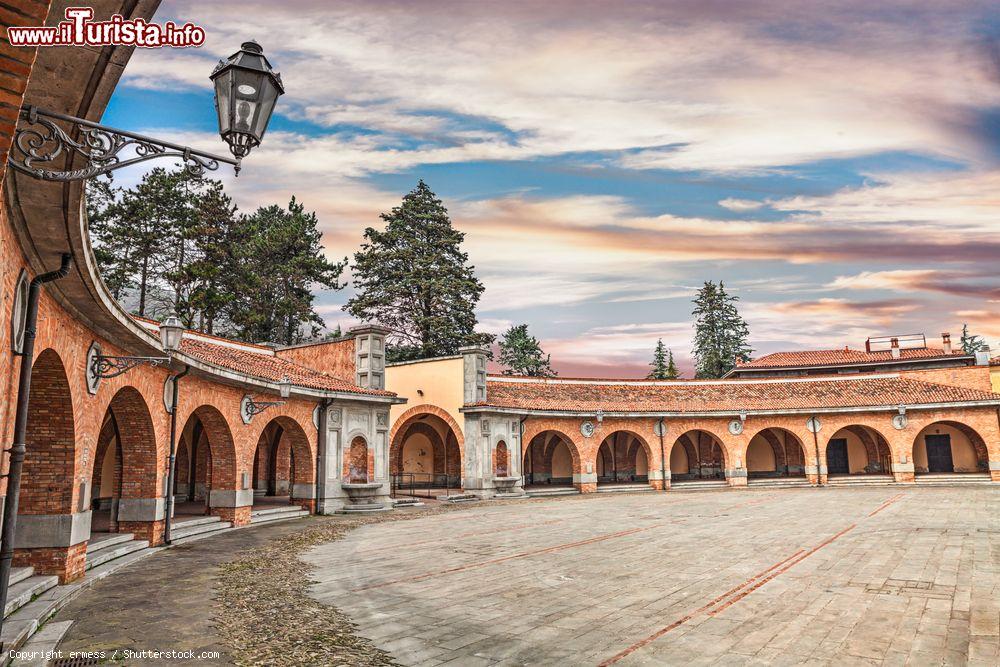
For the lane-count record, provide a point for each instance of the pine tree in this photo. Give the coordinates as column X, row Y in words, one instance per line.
column 280, row 260
column 970, row 343
column 672, row 373
column 659, row 363
column 720, row 332
column 521, row 354
column 413, row 278
column 217, row 239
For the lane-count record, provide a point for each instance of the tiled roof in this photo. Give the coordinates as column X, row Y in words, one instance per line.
column 995, row 361
column 260, row 362
column 842, row 357
column 724, row 396
column 270, row 367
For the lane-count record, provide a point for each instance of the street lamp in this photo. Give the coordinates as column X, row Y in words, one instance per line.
column 171, row 333
column 249, row 408
column 101, row 367
column 246, row 89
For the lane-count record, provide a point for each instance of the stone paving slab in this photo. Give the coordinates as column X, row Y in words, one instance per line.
column 849, row 576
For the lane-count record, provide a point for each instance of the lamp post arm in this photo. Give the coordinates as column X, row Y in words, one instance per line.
column 40, row 141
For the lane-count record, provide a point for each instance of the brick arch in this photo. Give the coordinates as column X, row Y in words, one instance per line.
column 532, row 432
column 137, row 444
column 49, row 473
column 221, row 449
column 631, row 449
column 702, row 449
column 302, row 454
column 877, row 447
column 501, row 459
column 977, row 441
column 426, row 409
column 790, row 454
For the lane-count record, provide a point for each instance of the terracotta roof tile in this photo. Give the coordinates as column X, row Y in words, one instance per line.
column 841, row 357
column 269, row 367
column 724, row 396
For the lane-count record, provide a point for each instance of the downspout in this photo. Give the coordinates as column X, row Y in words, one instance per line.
column 17, row 450
column 172, row 459
column 520, row 440
column 321, row 455
column 663, row 461
column 816, row 446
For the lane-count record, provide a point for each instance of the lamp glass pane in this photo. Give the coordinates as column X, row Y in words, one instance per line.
column 222, row 102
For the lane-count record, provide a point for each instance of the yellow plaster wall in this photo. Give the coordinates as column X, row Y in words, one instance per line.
column 679, row 464
column 107, row 489
column 441, row 380
column 995, row 378
column 760, row 455
column 418, row 454
column 641, row 463
column 562, row 461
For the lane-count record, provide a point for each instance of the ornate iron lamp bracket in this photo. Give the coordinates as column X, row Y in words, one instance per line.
column 40, row 142
column 109, row 367
column 249, row 408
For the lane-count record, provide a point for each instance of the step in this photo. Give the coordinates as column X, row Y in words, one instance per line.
column 202, row 527
column 107, row 554
column 779, row 483
column 100, row 541
column 707, row 485
column 275, row 510
column 861, row 480
column 187, row 523
column 624, row 488
column 26, row 590
column 282, row 516
column 42, row 643
column 20, row 574
column 544, row 493
column 459, row 498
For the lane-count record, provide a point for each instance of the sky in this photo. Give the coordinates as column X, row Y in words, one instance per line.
column 837, row 164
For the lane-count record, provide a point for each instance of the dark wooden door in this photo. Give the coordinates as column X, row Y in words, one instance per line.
column 939, row 453
column 836, row 457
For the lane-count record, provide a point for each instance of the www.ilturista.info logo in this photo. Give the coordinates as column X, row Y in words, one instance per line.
column 79, row 30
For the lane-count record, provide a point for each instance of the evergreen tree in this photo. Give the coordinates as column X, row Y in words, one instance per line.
column 659, row 364
column 521, row 353
column 672, row 373
column 720, row 332
column 280, row 260
column 970, row 343
column 214, row 273
column 109, row 243
column 413, row 278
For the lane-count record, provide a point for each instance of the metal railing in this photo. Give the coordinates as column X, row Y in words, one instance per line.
column 421, row 484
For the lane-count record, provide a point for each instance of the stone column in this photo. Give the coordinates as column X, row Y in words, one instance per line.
column 233, row 505
column 55, row 543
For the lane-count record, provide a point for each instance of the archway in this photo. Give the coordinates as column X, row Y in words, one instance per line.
column 550, row 459
column 125, row 470
column 49, row 473
column 206, row 445
column 284, row 469
column 697, row 455
column 425, row 454
column 775, row 452
column 857, row 450
column 949, row 447
column 622, row 458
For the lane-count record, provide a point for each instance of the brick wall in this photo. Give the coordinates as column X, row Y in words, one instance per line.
column 973, row 377
column 333, row 357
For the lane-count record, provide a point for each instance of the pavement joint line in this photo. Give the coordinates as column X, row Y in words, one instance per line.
column 736, row 594
column 503, row 559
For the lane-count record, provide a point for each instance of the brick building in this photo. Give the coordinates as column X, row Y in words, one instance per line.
column 98, row 452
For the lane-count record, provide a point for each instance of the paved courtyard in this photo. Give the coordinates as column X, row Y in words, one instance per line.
column 815, row 576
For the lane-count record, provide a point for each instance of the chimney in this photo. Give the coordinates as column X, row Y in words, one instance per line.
column 983, row 357
column 895, row 348
column 946, row 342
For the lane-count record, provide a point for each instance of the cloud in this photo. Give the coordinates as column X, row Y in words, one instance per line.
column 740, row 205
column 930, row 280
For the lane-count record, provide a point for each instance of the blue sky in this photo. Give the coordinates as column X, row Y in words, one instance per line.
column 836, row 166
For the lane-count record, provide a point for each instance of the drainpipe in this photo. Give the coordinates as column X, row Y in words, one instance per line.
column 816, row 446
column 663, row 462
column 321, row 454
column 520, row 440
column 20, row 425
column 172, row 460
